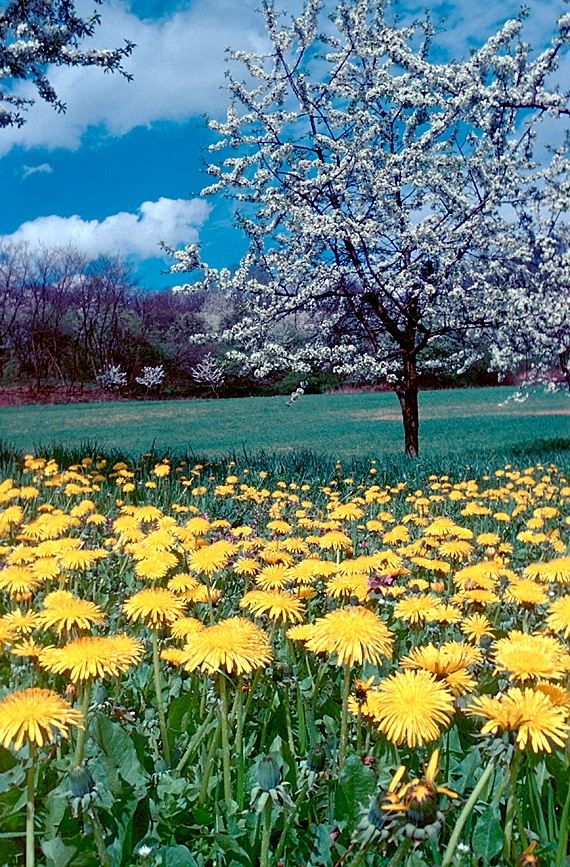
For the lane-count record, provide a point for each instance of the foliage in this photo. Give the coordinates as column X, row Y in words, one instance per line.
column 38, row 33
column 380, row 190
column 465, row 798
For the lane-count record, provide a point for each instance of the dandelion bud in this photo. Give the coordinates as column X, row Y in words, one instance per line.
column 268, row 774
column 316, row 760
column 81, row 782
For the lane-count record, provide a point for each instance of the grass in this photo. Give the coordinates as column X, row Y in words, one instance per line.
column 454, row 422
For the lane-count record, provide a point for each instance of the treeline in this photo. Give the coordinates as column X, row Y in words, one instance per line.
column 67, row 321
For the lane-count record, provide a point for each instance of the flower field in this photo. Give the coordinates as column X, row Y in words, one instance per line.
column 213, row 664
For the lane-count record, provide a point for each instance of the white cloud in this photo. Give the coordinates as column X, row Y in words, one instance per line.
column 177, row 67
column 172, row 221
column 44, row 169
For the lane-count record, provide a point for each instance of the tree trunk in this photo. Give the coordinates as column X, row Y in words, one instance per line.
column 407, row 391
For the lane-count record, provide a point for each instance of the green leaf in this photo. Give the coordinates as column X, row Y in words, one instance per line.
column 118, row 755
column 177, row 856
column 357, row 783
column 321, row 852
column 488, row 835
column 466, row 771
column 7, row 760
column 57, row 853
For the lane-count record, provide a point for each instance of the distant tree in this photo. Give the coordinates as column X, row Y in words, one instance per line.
column 379, row 191
column 37, row 33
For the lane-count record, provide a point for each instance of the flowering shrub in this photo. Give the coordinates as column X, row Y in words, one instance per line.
column 206, row 664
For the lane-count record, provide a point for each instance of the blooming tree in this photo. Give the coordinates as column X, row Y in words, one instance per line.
column 379, row 189
column 534, row 331
column 38, row 33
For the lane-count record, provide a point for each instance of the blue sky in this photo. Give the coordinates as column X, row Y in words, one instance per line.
column 122, row 169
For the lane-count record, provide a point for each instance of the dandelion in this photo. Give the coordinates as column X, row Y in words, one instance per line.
column 63, row 610
column 276, row 604
column 92, row 656
column 449, row 663
column 529, row 713
column 476, row 626
column 558, row 615
column 528, row 657
column 235, row 645
column 417, row 609
column 411, row 707
column 155, row 606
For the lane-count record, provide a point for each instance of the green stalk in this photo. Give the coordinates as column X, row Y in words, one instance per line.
column 464, row 815
column 99, row 839
column 563, row 832
column 344, row 719
column 82, row 733
column 195, row 742
column 239, row 747
column 290, row 739
column 400, row 853
column 225, row 739
column 511, row 804
column 30, row 806
column 209, row 765
column 158, row 692
column 265, row 835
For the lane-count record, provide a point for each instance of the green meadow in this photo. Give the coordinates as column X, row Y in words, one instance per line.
column 453, row 422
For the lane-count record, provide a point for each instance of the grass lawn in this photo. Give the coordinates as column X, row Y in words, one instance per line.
column 343, row 425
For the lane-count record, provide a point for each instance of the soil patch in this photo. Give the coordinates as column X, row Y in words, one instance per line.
column 20, row 395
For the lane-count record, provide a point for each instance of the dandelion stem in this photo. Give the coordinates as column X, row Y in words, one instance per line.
column 344, row 719
column 159, row 703
column 400, row 853
column 464, row 815
column 511, row 804
column 209, row 765
column 195, row 742
column 99, row 839
column 30, row 806
column 82, row 732
column 265, row 835
column 563, row 832
column 225, row 739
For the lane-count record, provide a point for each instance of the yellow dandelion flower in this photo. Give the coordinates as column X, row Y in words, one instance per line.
column 63, row 610
column 274, row 577
column 531, row 657
column 27, row 648
column 411, row 707
column 448, row 662
column 156, row 566
column 346, row 512
column 300, row 632
column 19, row 581
column 558, row 615
column 559, row 696
column 353, row 635
column 529, row 713
column 35, row 716
column 22, row 622
column 347, row 586
column 235, row 645
column 155, row 606
column 92, row 656
column 456, row 549
column 417, row 609
column 173, row 655
column 475, row 626
column 209, row 559
column 554, row 571
column 185, row 626
column 478, row 597
column 276, row 604
column 246, row 566
column 524, row 591
column 182, row 583
column 82, row 559
column 335, row 540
